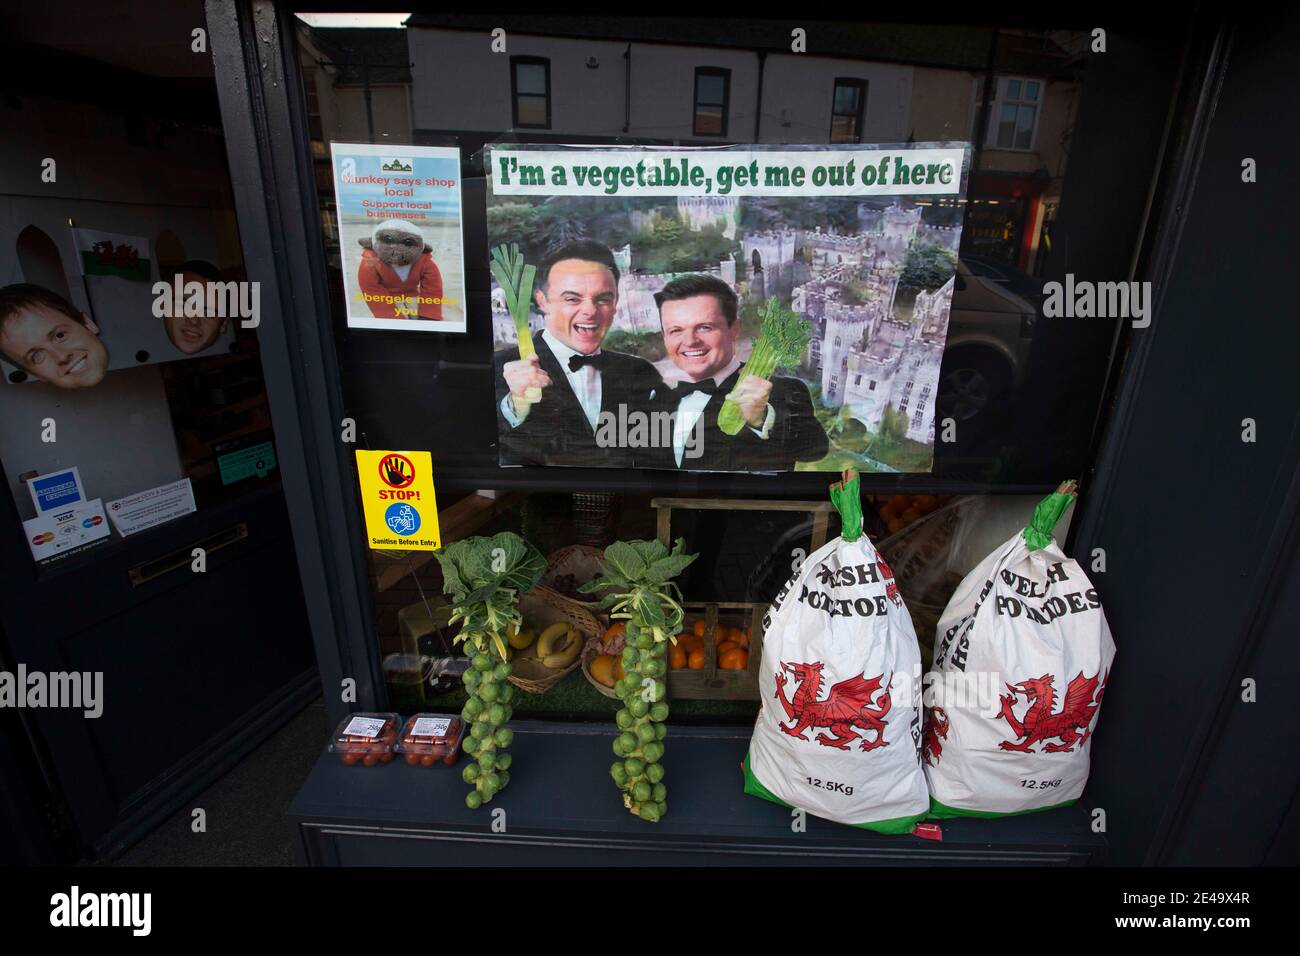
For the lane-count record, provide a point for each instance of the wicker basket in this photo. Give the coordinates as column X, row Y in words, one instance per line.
column 542, row 607
column 581, row 561
column 594, row 649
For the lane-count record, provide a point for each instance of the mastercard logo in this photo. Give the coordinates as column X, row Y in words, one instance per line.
column 44, row 538
column 92, row 521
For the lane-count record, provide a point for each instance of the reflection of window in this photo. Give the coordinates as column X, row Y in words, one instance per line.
column 530, row 89
column 712, row 90
column 846, row 110
column 1013, row 114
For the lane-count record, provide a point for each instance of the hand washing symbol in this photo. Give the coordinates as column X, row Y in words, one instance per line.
column 402, row 519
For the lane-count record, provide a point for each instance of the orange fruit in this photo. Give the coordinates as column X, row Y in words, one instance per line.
column 677, row 657
column 734, row 660
column 602, row 669
column 894, row 525
column 692, row 643
column 614, row 630
column 699, row 627
column 695, row 661
column 910, row 515
column 619, row 673
column 925, row 503
column 743, row 639
column 727, row 646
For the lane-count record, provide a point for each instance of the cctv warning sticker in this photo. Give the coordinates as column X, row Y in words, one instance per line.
column 398, row 500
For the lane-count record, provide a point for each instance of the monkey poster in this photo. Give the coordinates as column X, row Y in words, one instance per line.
column 399, row 220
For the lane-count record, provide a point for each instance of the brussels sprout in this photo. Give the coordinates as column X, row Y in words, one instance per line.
column 507, row 713
column 628, row 741
column 482, row 662
column 496, row 714
column 642, row 791
column 645, row 733
column 471, row 745
column 487, row 761
column 630, row 656
column 490, row 693
column 662, row 807
column 505, row 779
column 506, row 693
column 654, row 772
column 653, row 668
column 647, row 655
column 661, row 691
column 504, row 736
column 491, row 781
column 661, row 731
column 659, row 711
column 470, row 680
column 653, row 751
column 503, row 762
column 619, row 749
column 645, row 641
column 638, row 707
column 618, row 773
column 659, row 793
column 633, row 766
column 624, row 719
column 470, row 773
column 650, row 812
column 502, row 671
column 473, row 800
column 479, row 730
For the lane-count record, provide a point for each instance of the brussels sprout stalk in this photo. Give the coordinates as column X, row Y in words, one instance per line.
column 638, row 574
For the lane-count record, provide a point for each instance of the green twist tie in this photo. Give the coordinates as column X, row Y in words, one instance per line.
column 1046, row 513
column 848, row 502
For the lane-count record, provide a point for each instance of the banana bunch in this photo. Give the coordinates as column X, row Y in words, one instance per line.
column 559, row 645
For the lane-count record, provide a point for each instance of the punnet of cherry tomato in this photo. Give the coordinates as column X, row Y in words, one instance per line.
column 429, row 739
column 367, row 739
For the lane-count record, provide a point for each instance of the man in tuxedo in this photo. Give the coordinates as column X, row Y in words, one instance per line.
column 574, row 379
column 698, row 315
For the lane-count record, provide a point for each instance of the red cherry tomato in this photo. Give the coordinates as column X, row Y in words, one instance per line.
column 350, row 758
column 370, row 760
column 427, row 760
column 386, row 757
column 412, row 759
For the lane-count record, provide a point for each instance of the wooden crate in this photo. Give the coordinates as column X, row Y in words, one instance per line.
column 711, row 682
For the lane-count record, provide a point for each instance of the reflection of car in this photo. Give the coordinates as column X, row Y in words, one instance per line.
column 993, row 312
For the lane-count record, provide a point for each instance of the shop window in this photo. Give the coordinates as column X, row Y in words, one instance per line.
column 530, row 89
column 712, row 95
column 847, row 104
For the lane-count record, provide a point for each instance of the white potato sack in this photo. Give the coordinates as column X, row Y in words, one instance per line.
column 1026, row 626
column 838, row 732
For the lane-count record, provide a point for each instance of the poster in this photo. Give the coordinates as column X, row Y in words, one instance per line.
column 398, row 500
column 147, row 509
column 743, row 309
column 399, row 220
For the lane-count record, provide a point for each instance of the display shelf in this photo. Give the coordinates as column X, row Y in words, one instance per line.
column 561, row 808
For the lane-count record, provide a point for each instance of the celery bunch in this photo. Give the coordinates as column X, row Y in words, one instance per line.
column 782, row 341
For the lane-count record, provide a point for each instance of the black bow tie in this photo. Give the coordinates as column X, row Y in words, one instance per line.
column 578, row 361
column 708, row 387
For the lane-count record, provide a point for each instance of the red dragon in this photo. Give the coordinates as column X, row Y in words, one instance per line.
column 1040, row 724
column 847, row 705
column 936, row 728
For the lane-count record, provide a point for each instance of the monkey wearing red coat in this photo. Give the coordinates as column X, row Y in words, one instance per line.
column 398, row 277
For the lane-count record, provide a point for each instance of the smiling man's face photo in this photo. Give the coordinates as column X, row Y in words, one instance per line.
column 579, row 302
column 697, row 336
column 44, row 335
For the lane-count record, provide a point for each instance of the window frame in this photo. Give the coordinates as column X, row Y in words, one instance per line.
column 725, row 75
column 859, row 118
column 515, row 63
column 1000, row 99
